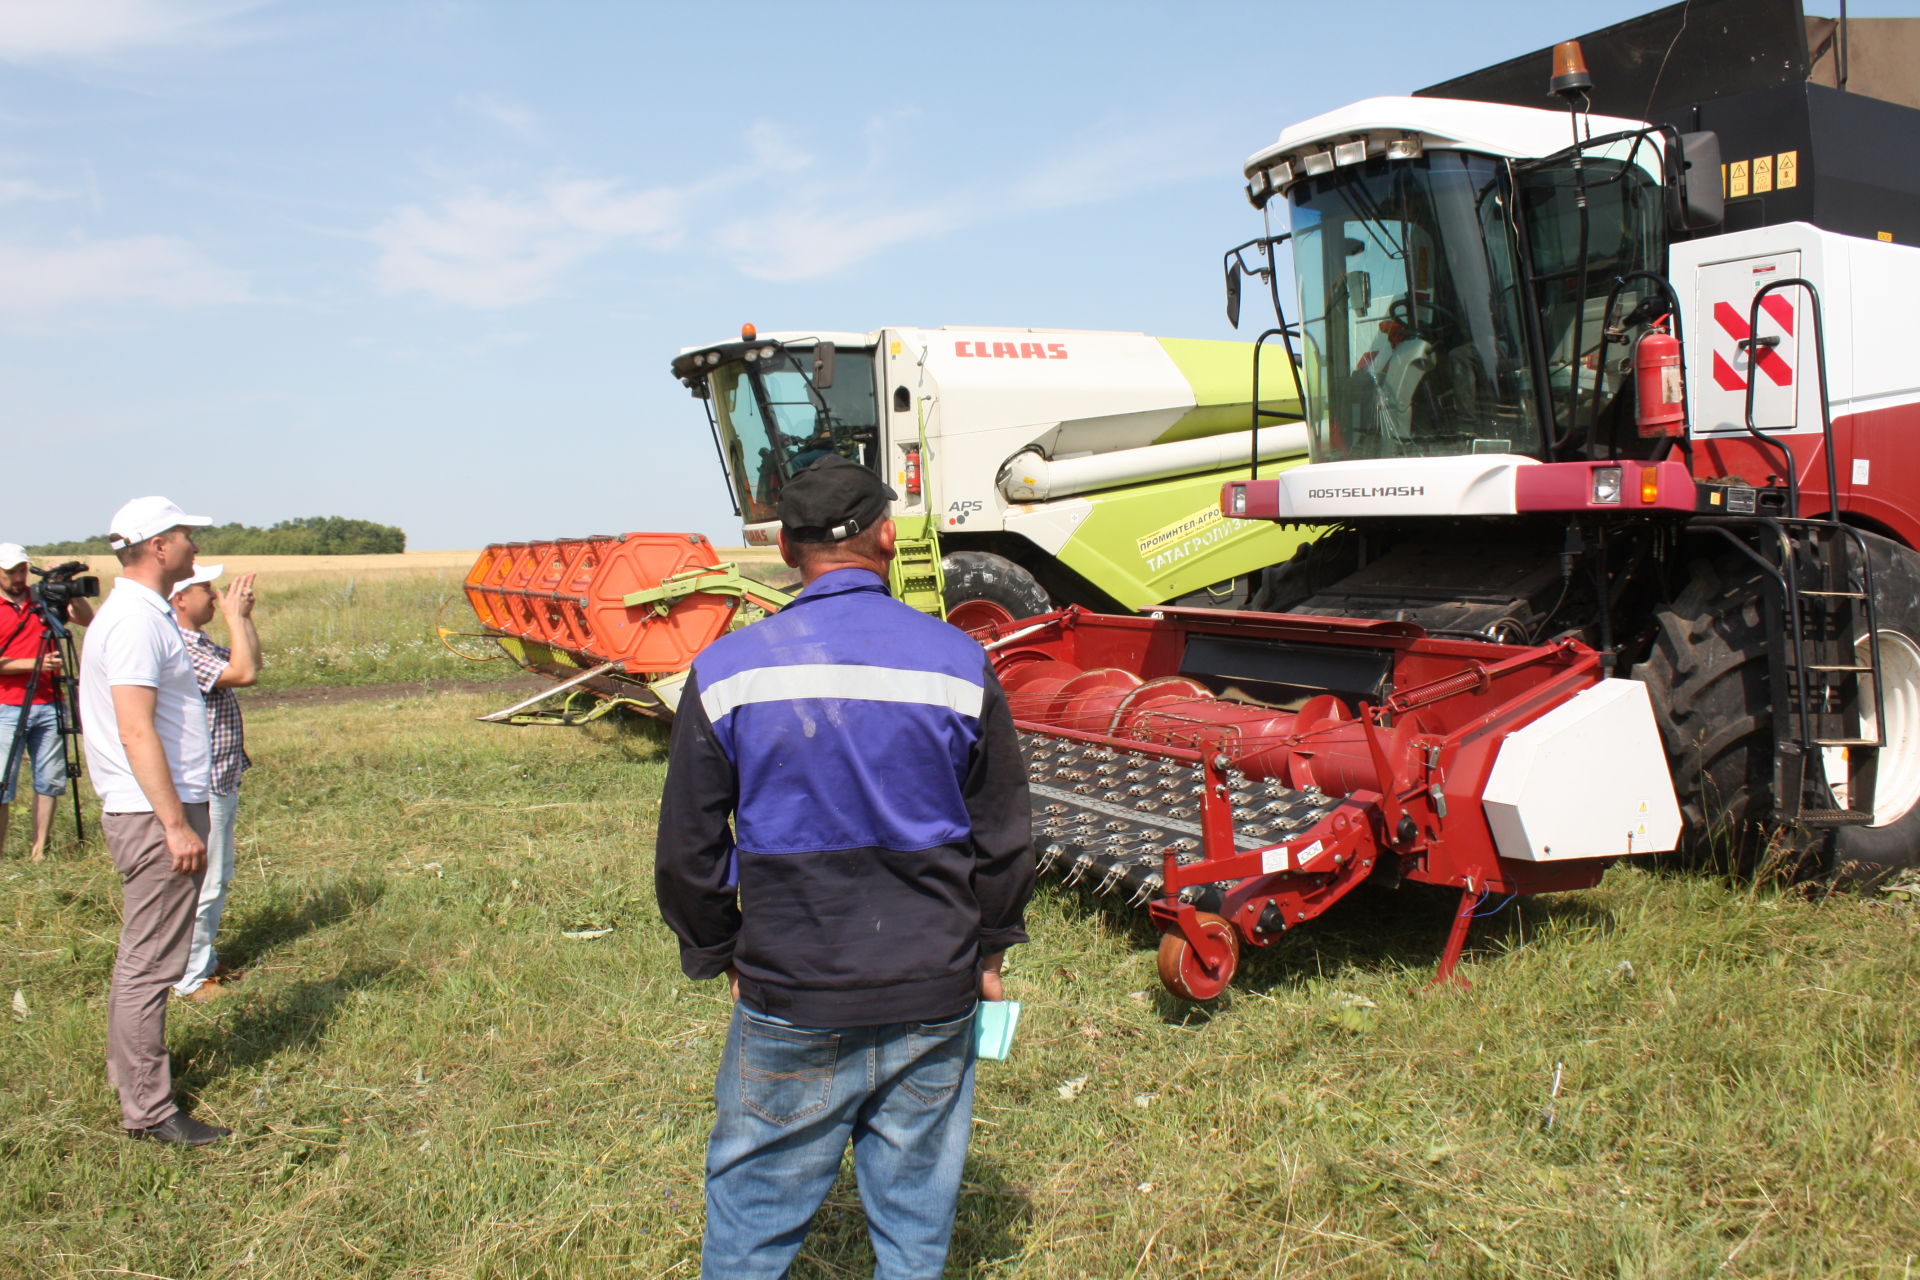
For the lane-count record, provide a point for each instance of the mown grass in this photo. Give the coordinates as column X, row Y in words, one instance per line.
column 429, row 1079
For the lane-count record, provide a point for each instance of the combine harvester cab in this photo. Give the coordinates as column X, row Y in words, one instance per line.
column 1240, row 774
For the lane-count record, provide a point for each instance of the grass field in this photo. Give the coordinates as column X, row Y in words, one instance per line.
column 429, row 1078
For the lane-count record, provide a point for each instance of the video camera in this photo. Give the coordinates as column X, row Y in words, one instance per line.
column 63, row 584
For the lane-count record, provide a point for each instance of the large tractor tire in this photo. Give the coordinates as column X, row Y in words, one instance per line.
column 985, row 590
column 1707, row 676
column 1864, row 856
column 1708, row 679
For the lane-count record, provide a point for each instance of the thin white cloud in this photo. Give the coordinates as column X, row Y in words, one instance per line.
column 774, row 148
column 509, row 117
column 654, row 216
column 485, row 250
column 52, row 30
column 822, row 226
column 25, row 190
column 478, row 250
column 820, row 237
column 1111, row 168
column 44, row 282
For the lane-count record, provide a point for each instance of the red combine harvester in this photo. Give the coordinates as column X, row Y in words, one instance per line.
column 1613, row 448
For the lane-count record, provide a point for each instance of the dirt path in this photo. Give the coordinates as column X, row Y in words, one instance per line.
column 321, row 695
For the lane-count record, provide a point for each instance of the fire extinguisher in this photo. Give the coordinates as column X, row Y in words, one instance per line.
column 1660, row 395
column 913, row 472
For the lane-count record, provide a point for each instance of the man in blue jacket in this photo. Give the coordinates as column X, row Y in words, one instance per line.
column 845, row 835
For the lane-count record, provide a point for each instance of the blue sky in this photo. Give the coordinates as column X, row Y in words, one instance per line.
column 425, row 261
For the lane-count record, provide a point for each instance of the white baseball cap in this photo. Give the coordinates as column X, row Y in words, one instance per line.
column 201, row 573
column 145, row 518
column 12, row 556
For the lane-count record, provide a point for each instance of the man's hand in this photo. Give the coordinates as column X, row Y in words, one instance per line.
column 733, row 983
column 990, row 986
column 237, row 600
column 133, row 712
column 188, row 850
column 243, row 663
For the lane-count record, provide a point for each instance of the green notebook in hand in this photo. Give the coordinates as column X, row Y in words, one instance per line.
column 993, row 1028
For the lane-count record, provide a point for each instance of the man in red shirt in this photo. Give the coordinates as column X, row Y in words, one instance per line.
column 22, row 633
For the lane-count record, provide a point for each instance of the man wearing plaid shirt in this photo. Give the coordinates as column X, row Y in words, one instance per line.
column 218, row 670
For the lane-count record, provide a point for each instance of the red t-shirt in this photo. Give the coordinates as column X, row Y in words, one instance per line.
column 24, row 644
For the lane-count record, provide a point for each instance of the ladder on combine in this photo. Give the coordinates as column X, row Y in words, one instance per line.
column 1826, row 703
column 914, row 578
column 1825, row 672
column 1833, row 690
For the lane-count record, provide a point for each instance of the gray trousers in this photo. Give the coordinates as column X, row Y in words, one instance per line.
column 156, row 932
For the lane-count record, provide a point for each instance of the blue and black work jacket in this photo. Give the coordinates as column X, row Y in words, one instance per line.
column 846, row 819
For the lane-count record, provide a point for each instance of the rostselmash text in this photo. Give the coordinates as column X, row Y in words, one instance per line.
column 1372, row 491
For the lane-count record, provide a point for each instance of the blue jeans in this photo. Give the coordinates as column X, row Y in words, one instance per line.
column 789, row 1098
column 201, row 960
column 43, row 744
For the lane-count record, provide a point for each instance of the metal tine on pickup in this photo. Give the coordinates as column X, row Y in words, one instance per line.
column 1149, row 889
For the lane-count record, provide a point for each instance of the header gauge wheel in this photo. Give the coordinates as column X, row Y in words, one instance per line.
column 1191, row 976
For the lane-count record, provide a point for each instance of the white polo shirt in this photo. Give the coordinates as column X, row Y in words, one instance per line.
column 134, row 639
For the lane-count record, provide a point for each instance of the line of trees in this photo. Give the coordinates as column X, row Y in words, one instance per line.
column 306, row 536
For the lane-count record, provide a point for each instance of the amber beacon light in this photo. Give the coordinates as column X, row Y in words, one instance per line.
column 1569, row 70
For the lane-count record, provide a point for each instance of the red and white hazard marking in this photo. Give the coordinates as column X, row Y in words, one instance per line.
column 1768, row 360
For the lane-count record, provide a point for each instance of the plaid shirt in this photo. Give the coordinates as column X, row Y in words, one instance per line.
column 229, row 738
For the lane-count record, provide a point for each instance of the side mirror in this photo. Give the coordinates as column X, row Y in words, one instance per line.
column 823, row 362
column 1233, row 293
column 1697, row 202
column 1360, row 292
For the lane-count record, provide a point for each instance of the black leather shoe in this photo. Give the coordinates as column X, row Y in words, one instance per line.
column 181, row 1130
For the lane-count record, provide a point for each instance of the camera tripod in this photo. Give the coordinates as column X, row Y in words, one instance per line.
column 55, row 638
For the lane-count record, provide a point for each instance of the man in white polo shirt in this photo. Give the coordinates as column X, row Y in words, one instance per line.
column 148, row 749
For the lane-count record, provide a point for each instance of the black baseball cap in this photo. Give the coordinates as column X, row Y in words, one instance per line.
column 831, row 500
